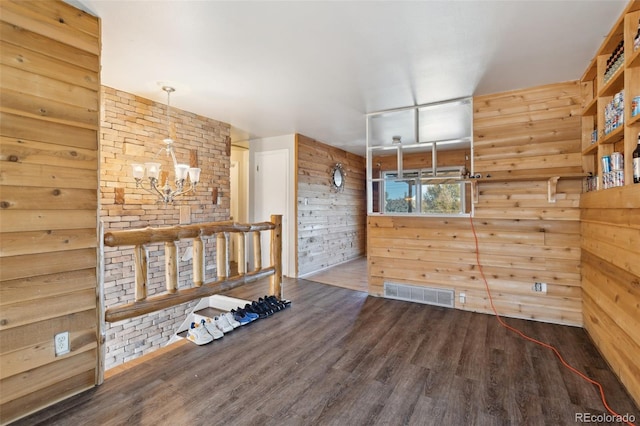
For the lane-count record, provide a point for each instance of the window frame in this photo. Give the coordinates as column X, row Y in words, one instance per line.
column 418, row 141
column 422, row 176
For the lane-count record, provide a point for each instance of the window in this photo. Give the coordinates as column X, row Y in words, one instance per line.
column 419, row 159
column 417, row 192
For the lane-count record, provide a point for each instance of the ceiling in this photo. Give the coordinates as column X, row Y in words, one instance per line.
column 272, row 68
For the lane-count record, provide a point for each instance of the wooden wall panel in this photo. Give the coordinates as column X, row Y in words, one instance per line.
column 611, row 278
column 331, row 225
column 50, row 89
column 523, row 239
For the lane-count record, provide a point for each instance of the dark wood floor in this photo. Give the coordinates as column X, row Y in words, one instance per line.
column 338, row 357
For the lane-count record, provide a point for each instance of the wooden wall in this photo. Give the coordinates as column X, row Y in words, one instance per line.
column 331, row 225
column 611, row 279
column 50, row 89
column 521, row 138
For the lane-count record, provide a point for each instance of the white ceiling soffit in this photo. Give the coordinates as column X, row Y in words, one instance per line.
column 317, row 67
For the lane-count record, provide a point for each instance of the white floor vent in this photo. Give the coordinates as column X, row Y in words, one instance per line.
column 427, row 295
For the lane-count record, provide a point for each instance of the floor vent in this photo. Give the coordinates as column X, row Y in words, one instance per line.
column 427, row 295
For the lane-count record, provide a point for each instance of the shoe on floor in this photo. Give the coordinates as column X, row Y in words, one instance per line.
column 210, row 326
column 223, row 324
column 275, row 307
column 198, row 334
column 282, row 302
column 255, row 309
column 231, row 320
column 242, row 316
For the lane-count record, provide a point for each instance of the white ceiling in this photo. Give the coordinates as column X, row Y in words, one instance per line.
column 317, row 67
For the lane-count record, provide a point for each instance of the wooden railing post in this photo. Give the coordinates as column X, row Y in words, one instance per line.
column 140, row 257
column 171, row 266
column 257, row 251
column 275, row 280
column 198, row 262
column 240, row 256
column 222, row 255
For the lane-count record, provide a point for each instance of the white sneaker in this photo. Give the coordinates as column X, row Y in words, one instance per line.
column 232, row 320
column 223, row 324
column 198, row 334
column 211, row 328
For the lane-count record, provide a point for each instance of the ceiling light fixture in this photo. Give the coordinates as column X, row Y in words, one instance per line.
column 152, row 169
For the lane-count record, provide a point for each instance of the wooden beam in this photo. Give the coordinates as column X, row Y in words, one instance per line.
column 276, row 256
column 198, row 262
column 140, row 254
column 171, row 266
column 132, row 237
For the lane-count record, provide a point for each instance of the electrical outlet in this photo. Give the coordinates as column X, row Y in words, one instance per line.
column 61, row 342
column 540, row 287
column 462, row 297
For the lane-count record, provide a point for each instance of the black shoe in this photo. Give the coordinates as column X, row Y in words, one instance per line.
column 274, row 306
column 263, row 306
column 284, row 302
column 255, row 310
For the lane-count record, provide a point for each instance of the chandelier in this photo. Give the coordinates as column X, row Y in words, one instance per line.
column 152, row 169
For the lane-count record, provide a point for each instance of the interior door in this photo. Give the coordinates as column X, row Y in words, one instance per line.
column 271, row 196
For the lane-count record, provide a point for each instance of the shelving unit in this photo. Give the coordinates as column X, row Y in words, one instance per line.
column 597, row 95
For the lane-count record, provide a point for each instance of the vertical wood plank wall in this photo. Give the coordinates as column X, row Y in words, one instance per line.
column 523, row 238
column 611, row 278
column 50, row 89
column 331, row 225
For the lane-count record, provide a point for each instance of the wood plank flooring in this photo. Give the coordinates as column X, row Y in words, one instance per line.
column 340, row 357
column 352, row 275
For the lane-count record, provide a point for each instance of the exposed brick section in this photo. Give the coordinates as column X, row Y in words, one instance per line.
column 132, row 130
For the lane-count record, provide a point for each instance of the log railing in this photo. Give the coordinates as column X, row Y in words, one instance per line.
column 201, row 288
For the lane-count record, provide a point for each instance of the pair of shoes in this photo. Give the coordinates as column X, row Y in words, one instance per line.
column 281, row 303
column 243, row 317
column 231, row 319
column 255, row 308
column 198, row 334
column 223, row 324
column 285, row 302
column 212, row 328
column 273, row 306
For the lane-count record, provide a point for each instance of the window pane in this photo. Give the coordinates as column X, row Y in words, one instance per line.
column 399, row 196
column 441, row 197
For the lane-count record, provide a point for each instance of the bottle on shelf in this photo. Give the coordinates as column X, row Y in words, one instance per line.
column 636, row 162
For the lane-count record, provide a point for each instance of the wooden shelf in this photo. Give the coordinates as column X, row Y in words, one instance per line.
column 552, row 182
column 625, row 80
column 613, row 137
column 590, row 108
column 591, row 149
column 591, row 71
column 634, row 59
column 614, row 85
column 530, row 176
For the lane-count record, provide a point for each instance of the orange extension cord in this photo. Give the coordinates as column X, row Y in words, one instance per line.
column 531, row 339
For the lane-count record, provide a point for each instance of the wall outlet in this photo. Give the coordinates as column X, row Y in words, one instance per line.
column 462, row 297
column 540, row 287
column 61, row 342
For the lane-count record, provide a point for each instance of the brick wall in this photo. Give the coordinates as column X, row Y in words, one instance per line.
column 132, row 130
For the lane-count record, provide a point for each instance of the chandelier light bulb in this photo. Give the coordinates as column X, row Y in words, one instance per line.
column 152, row 169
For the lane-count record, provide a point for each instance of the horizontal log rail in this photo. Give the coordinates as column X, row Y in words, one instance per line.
column 139, row 238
